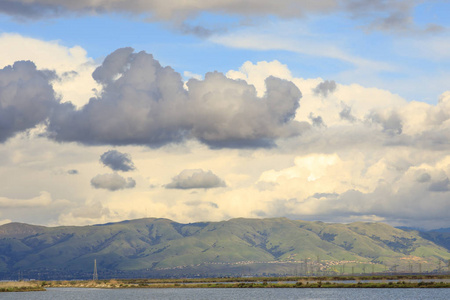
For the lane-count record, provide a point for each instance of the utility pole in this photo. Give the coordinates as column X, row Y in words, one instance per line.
column 306, row 266
column 95, row 276
column 318, row 264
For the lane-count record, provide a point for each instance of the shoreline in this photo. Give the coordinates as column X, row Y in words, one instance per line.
column 400, row 281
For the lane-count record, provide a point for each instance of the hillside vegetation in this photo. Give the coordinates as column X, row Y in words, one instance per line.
column 162, row 247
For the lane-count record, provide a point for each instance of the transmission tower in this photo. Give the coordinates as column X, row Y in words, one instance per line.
column 95, row 276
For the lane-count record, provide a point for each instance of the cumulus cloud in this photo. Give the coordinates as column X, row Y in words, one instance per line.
column 423, row 177
column 72, row 66
column 316, row 121
column 327, row 187
column 117, row 161
column 324, row 88
column 391, row 122
column 26, row 98
column 112, row 182
column 440, row 186
column 144, row 103
column 195, row 179
column 346, row 113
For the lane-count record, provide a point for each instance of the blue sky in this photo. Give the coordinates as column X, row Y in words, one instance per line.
column 354, row 126
column 100, row 34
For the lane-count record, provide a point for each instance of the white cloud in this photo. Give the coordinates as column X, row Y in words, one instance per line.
column 276, row 37
column 256, row 74
column 5, row 221
column 195, row 179
column 358, row 168
column 44, row 199
column 71, row 64
column 112, row 182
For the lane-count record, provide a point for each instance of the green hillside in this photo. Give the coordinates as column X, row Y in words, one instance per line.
column 161, row 247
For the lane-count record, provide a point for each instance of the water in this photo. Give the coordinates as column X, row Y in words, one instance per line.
column 230, row 294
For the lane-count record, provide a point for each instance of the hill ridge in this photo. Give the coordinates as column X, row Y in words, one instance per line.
column 274, row 245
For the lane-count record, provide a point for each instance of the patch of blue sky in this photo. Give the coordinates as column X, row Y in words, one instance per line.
column 99, row 35
column 318, row 46
column 432, row 12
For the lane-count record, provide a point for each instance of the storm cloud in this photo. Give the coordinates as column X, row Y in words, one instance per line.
column 112, row 182
column 143, row 103
column 117, row 161
column 26, row 98
column 195, row 179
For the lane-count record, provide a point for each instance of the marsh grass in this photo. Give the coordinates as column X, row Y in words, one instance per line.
column 260, row 282
column 20, row 286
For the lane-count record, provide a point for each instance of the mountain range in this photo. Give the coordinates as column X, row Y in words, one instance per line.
column 154, row 247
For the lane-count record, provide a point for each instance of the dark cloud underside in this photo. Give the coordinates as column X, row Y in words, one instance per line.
column 117, row 161
column 143, row 103
column 26, row 98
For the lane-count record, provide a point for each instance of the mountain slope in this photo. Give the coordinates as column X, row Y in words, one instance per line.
column 266, row 245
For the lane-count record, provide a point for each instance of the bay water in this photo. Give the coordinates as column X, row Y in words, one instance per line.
column 231, row 293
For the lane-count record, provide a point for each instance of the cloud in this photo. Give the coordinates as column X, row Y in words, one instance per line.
column 91, row 211
column 346, row 113
column 393, row 16
column 424, row 177
column 195, row 179
column 112, row 182
column 143, row 103
column 256, row 74
column 324, row 88
column 164, row 10
column 380, row 14
column 5, row 221
column 316, row 121
column 278, row 36
column 73, row 69
column 440, row 186
column 117, row 161
column 43, row 200
column 72, row 172
column 200, row 203
column 328, row 187
column 26, row 98
column 391, row 122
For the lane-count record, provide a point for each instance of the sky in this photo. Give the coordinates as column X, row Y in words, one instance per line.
column 332, row 110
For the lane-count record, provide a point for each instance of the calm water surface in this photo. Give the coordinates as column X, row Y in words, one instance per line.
column 217, row 293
